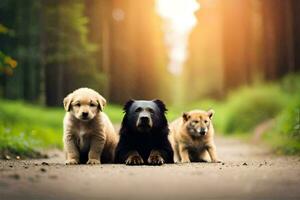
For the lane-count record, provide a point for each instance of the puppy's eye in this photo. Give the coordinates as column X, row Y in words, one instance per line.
column 77, row 104
column 205, row 121
column 93, row 105
column 151, row 110
column 196, row 121
column 138, row 109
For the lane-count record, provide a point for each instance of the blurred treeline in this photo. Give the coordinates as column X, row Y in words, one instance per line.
column 242, row 42
column 117, row 47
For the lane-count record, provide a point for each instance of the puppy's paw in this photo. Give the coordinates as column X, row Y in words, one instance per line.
column 93, row 162
column 134, row 160
column 156, row 160
column 185, row 161
column 216, row 161
column 71, row 162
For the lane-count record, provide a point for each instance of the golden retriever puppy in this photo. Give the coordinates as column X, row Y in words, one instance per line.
column 192, row 137
column 89, row 136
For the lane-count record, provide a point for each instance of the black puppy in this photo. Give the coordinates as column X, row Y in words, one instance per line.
column 144, row 134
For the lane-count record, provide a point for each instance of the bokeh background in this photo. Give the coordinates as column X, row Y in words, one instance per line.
column 240, row 57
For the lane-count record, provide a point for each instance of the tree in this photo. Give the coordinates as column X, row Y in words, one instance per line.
column 69, row 63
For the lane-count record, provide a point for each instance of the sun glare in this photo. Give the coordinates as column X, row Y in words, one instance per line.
column 179, row 20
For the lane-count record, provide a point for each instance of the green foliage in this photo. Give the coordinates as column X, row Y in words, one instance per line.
column 285, row 135
column 70, row 54
column 25, row 128
column 67, row 24
column 249, row 106
column 7, row 64
column 290, row 84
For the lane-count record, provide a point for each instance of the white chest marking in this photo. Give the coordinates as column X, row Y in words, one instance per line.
column 83, row 138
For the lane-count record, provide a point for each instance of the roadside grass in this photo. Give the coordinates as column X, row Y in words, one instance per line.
column 247, row 107
column 284, row 136
column 25, row 129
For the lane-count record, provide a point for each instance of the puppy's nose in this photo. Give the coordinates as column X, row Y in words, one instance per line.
column 84, row 114
column 144, row 119
column 202, row 131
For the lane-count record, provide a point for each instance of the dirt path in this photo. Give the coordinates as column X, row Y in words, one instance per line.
column 249, row 172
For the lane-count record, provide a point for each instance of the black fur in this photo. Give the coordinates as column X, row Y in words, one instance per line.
column 132, row 139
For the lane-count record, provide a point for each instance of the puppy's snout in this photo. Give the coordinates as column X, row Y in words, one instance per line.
column 145, row 120
column 84, row 114
column 203, row 131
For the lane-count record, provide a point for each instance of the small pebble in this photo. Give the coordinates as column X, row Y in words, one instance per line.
column 7, row 157
column 25, row 167
column 18, row 157
column 45, row 163
column 43, row 170
column 245, row 164
column 11, row 166
column 223, row 163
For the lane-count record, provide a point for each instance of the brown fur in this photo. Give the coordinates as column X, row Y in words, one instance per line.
column 190, row 146
column 92, row 139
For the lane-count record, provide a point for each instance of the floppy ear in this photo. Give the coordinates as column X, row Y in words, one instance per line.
column 210, row 113
column 67, row 102
column 101, row 102
column 128, row 105
column 161, row 105
column 185, row 116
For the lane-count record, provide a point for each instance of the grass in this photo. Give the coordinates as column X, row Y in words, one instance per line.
column 284, row 136
column 25, row 129
column 247, row 107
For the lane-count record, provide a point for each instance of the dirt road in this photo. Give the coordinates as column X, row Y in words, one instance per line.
column 249, row 172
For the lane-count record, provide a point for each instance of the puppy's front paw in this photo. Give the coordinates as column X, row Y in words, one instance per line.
column 156, row 160
column 185, row 161
column 93, row 162
column 134, row 160
column 71, row 162
column 216, row 161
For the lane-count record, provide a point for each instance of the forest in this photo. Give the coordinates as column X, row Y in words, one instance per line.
column 117, row 47
column 225, row 54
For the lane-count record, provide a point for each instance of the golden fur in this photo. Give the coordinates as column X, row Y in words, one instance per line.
column 192, row 137
column 88, row 132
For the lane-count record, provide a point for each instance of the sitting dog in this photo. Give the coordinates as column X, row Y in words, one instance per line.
column 144, row 134
column 192, row 136
column 89, row 136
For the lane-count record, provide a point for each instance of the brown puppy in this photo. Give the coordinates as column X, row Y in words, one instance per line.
column 89, row 136
column 192, row 137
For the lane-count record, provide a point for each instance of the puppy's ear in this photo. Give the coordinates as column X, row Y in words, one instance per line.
column 210, row 113
column 186, row 116
column 101, row 102
column 68, row 101
column 128, row 105
column 161, row 105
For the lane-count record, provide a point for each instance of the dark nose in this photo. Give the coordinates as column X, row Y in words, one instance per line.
column 202, row 131
column 144, row 119
column 85, row 114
